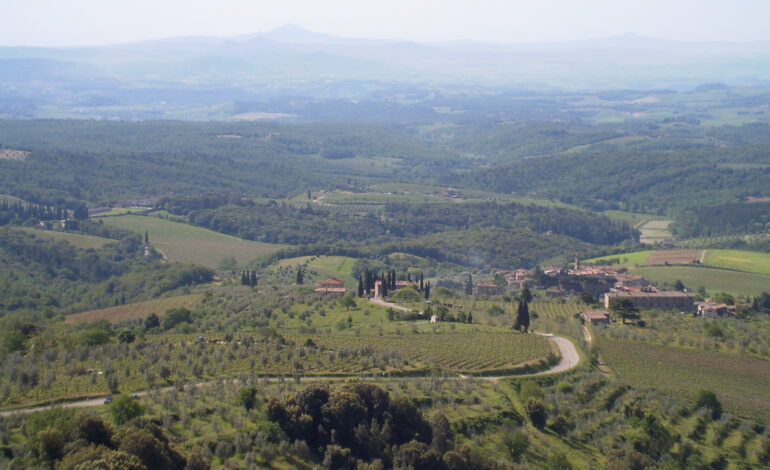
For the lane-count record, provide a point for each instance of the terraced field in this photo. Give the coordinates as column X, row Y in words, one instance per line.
column 741, row 383
column 187, row 243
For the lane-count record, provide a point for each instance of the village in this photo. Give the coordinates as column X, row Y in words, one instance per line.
column 607, row 289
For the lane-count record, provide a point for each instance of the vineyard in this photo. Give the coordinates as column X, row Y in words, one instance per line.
column 455, row 352
column 740, row 382
column 167, row 359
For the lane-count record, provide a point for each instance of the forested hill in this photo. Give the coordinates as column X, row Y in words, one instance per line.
column 38, row 275
column 100, row 162
column 635, row 181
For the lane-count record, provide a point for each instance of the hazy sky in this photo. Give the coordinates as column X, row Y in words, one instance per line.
column 85, row 22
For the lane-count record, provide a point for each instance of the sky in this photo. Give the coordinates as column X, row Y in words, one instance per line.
column 64, row 23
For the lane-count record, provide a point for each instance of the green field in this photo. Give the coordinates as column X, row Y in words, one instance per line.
column 187, row 243
column 323, row 267
column 714, row 280
column 75, row 239
column 626, row 259
column 118, row 211
column 748, row 261
column 135, row 310
column 741, row 383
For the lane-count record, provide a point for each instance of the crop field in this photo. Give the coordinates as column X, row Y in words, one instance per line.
column 714, row 280
column 673, row 257
column 75, row 239
column 741, row 383
column 323, row 267
column 117, row 211
column 748, row 261
column 135, row 310
column 187, row 243
column 655, row 231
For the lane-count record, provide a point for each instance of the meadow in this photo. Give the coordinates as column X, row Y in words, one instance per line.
column 137, row 310
column 78, row 240
column 739, row 260
column 190, row 244
column 741, row 383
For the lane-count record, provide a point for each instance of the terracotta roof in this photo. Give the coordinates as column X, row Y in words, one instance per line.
column 334, row 290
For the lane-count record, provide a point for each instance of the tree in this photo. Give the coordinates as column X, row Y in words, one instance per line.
column 175, row 316
column 708, row 399
column 93, row 430
column 126, row 336
column 679, row 285
column 300, row 276
column 124, row 408
column 469, row 286
column 427, row 290
column 146, row 237
column 536, row 412
column 247, row 397
column 152, row 321
column 51, row 444
column 253, row 279
column 625, row 309
column 587, row 298
column 360, row 290
column 348, row 302
column 522, row 316
column 526, row 294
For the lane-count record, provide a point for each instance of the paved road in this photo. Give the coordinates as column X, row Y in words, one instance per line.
column 569, row 360
column 569, row 355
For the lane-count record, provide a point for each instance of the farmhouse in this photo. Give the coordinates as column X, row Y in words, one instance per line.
column 647, row 298
column 713, row 309
column 489, row 288
column 596, row 317
column 330, row 286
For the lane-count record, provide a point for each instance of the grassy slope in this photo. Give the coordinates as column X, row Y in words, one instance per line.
column 187, row 243
column 135, row 310
column 740, row 382
column 75, row 239
column 748, row 261
column 714, row 280
column 325, row 267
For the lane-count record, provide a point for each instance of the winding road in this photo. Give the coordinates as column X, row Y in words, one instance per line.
column 569, row 360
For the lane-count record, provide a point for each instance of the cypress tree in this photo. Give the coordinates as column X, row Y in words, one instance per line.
column 469, row 286
column 522, row 316
column 253, row 279
column 427, row 290
column 360, row 286
column 300, row 276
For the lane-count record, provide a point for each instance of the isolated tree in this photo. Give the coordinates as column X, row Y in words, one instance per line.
column 522, row 316
column 427, row 290
column 360, row 290
column 146, row 237
column 253, row 279
column 526, row 294
column 679, row 285
column 469, row 286
column 348, row 302
column 708, row 399
column 126, row 336
column 300, row 276
column 625, row 309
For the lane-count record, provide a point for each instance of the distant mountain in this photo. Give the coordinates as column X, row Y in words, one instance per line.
column 304, row 63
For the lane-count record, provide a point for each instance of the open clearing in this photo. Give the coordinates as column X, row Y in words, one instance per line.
column 75, row 239
column 714, row 280
column 190, row 244
column 741, row 383
column 135, row 310
column 8, row 154
column 323, row 267
column 655, row 231
column 748, row 261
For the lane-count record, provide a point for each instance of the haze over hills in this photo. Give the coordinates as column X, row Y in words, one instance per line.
column 292, row 53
